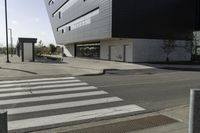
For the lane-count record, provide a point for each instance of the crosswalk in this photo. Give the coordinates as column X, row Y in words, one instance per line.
column 35, row 104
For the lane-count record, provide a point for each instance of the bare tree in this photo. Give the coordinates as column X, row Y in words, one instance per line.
column 169, row 47
column 196, row 42
column 196, row 46
column 39, row 48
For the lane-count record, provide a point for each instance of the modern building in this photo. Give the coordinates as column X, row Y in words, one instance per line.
column 129, row 31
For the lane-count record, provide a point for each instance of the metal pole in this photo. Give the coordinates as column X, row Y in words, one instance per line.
column 6, row 21
column 191, row 113
column 194, row 120
column 11, row 42
column 3, row 122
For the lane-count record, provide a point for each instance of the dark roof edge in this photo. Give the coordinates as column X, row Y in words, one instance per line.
column 33, row 40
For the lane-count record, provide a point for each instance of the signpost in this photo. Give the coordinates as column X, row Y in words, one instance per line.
column 6, row 22
column 194, row 123
column 11, row 42
column 3, row 122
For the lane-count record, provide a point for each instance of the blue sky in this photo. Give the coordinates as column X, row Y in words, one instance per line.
column 27, row 18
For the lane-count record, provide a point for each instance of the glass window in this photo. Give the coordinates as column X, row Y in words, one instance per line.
column 80, row 22
column 65, row 7
column 88, row 50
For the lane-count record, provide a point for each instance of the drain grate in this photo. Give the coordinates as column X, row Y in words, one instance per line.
column 127, row 126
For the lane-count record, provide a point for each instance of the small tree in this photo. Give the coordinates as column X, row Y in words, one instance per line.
column 169, row 47
column 188, row 46
column 39, row 48
column 58, row 50
column 52, row 48
column 196, row 46
column 45, row 50
column 196, row 42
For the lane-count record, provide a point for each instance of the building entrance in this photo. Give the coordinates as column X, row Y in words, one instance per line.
column 88, row 50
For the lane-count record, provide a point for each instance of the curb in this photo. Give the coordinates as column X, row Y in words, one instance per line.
column 32, row 77
column 66, row 129
column 181, row 69
column 74, row 128
column 101, row 72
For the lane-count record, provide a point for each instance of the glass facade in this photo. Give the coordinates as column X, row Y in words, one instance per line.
column 88, row 50
column 65, row 7
column 79, row 22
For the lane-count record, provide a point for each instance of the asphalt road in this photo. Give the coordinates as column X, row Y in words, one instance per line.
column 76, row 100
column 153, row 90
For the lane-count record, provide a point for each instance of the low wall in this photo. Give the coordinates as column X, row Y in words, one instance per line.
column 145, row 50
column 139, row 50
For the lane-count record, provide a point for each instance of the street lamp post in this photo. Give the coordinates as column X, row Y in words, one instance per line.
column 11, row 42
column 6, row 22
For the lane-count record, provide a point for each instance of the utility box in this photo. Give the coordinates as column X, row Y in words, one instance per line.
column 26, row 49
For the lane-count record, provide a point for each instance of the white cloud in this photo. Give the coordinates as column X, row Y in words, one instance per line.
column 1, row 7
column 14, row 22
column 43, row 33
column 36, row 20
column 1, row 45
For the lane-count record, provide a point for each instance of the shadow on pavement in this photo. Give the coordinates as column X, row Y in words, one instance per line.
column 49, row 61
column 182, row 69
column 20, row 70
column 136, row 71
column 176, row 66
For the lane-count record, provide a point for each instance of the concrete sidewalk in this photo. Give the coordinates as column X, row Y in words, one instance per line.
column 71, row 66
column 77, row 66
column 180, row 114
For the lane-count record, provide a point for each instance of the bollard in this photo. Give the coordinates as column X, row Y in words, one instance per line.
column 194, row 121
column 3, row 122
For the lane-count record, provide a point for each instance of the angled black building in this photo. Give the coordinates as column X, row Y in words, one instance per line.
column 130, row 30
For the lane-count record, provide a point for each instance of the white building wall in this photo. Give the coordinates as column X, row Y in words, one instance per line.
column 117, row 53
column 99, row 28
column 129, row 53
column 149, row 50
column 181, row 53
column 104, row 50
column 69, row 50
column 137, row 50
column 117, row 50
column 28, row 51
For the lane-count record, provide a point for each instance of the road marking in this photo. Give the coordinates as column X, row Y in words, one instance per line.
column 42, row 87
column 63, row 105
column 46, row 91
column 34, row 80
column 54, row 97
column 71, row 117
column 53, row 88
column 38, row 83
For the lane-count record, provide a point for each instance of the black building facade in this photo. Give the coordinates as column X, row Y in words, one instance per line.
column 119, row 25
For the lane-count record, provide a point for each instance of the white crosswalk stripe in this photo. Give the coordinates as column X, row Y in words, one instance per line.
column 34, row 80
column 27, row 88
column 73, row 117
column 38, row 83
column 37, row 103
column 62, row 105
column 54, row 97
column 31, row 92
